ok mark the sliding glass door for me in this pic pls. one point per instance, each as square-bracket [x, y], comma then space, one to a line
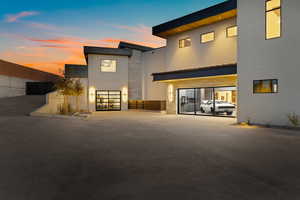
[219, 101]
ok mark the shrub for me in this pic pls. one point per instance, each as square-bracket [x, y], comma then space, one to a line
[294, 119]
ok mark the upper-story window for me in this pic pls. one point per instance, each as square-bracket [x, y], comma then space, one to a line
[185, 42]
[108, 66]
[207, 37]
[232, 31]
[273, 19]
[265, 86]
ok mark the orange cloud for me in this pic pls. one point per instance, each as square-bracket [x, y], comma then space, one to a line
[16, 17]
[51, 54]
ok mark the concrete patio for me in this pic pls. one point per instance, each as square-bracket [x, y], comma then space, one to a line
[142, 155]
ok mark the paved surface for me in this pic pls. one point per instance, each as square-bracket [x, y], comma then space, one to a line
[143, 156]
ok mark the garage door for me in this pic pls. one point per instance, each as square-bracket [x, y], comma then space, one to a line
[108, 100]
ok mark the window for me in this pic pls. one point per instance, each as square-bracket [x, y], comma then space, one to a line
[185, 42]
[273, 19]
[108, 66]
[265, 86]
[207, 37]
[232, 31]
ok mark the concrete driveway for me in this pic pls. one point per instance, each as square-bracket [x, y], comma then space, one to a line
[144, 155]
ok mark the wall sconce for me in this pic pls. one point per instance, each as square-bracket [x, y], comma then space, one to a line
[125, 94]
[92, 94]
[171, 93]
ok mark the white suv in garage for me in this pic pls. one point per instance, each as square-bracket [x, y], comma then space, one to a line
[220, 107]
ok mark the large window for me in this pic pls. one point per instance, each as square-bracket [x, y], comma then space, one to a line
[108, 66]
[185, 42]
[265, 86]
[219, 101]
[273, 19]
[232, 31]
[207, 37]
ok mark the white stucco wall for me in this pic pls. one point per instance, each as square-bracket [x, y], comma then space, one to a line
[12, 86]
[135, 74]
[153, 62]
[220, 51]
[107, 80]
[268, 59]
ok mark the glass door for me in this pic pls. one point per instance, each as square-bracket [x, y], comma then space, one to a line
[205, 99]
[186, 103]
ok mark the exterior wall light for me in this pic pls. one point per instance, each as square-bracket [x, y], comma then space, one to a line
[171, 93]
[125, 94]
[92, 94]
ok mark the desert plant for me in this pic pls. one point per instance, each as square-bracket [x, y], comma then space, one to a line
[77, 92]
[294, 119]
[65, 88]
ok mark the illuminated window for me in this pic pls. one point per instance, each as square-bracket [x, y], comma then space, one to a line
[207, 37]
[265, 86]
[232, 31]
[273, 19]
[185, 43]
[108, 66]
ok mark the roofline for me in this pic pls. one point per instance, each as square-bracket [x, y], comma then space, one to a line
[193, 19]
[218, 70]
[105, 51]
[124, 45]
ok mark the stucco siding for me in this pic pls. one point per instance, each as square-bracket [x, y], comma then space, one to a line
[268, 59]
[153, 62]
[12, 86]
[218, 52]
[107, 80]
[135, 70]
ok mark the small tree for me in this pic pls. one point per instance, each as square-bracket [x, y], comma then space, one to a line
[65, 88]
[294, 119]
[77, 92]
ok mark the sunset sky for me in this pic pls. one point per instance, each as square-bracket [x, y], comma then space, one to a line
[48, 34]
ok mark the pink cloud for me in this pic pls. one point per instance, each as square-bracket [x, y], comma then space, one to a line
[16, 17]
[42, 26]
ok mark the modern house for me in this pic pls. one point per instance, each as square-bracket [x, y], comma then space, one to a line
[237, 58]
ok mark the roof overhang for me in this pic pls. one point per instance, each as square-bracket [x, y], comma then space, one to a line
[188, 74]
[76, 71]
[106, 51]
[219, 12]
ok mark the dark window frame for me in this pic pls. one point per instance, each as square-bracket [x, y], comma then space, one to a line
[205, 34]
[271, 81]
[103, 110]
[227, 36]
[214, 100]
[266, 20]
[184, 43]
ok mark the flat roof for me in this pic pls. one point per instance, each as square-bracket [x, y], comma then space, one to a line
[218, 70]
[107, 51]
[19, 71]
[76, 71]
[126, 45]
[203, 17]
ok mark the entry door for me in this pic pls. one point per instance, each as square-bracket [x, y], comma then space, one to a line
[108, 100]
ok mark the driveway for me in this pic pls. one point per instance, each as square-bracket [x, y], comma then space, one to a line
[144, 156]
